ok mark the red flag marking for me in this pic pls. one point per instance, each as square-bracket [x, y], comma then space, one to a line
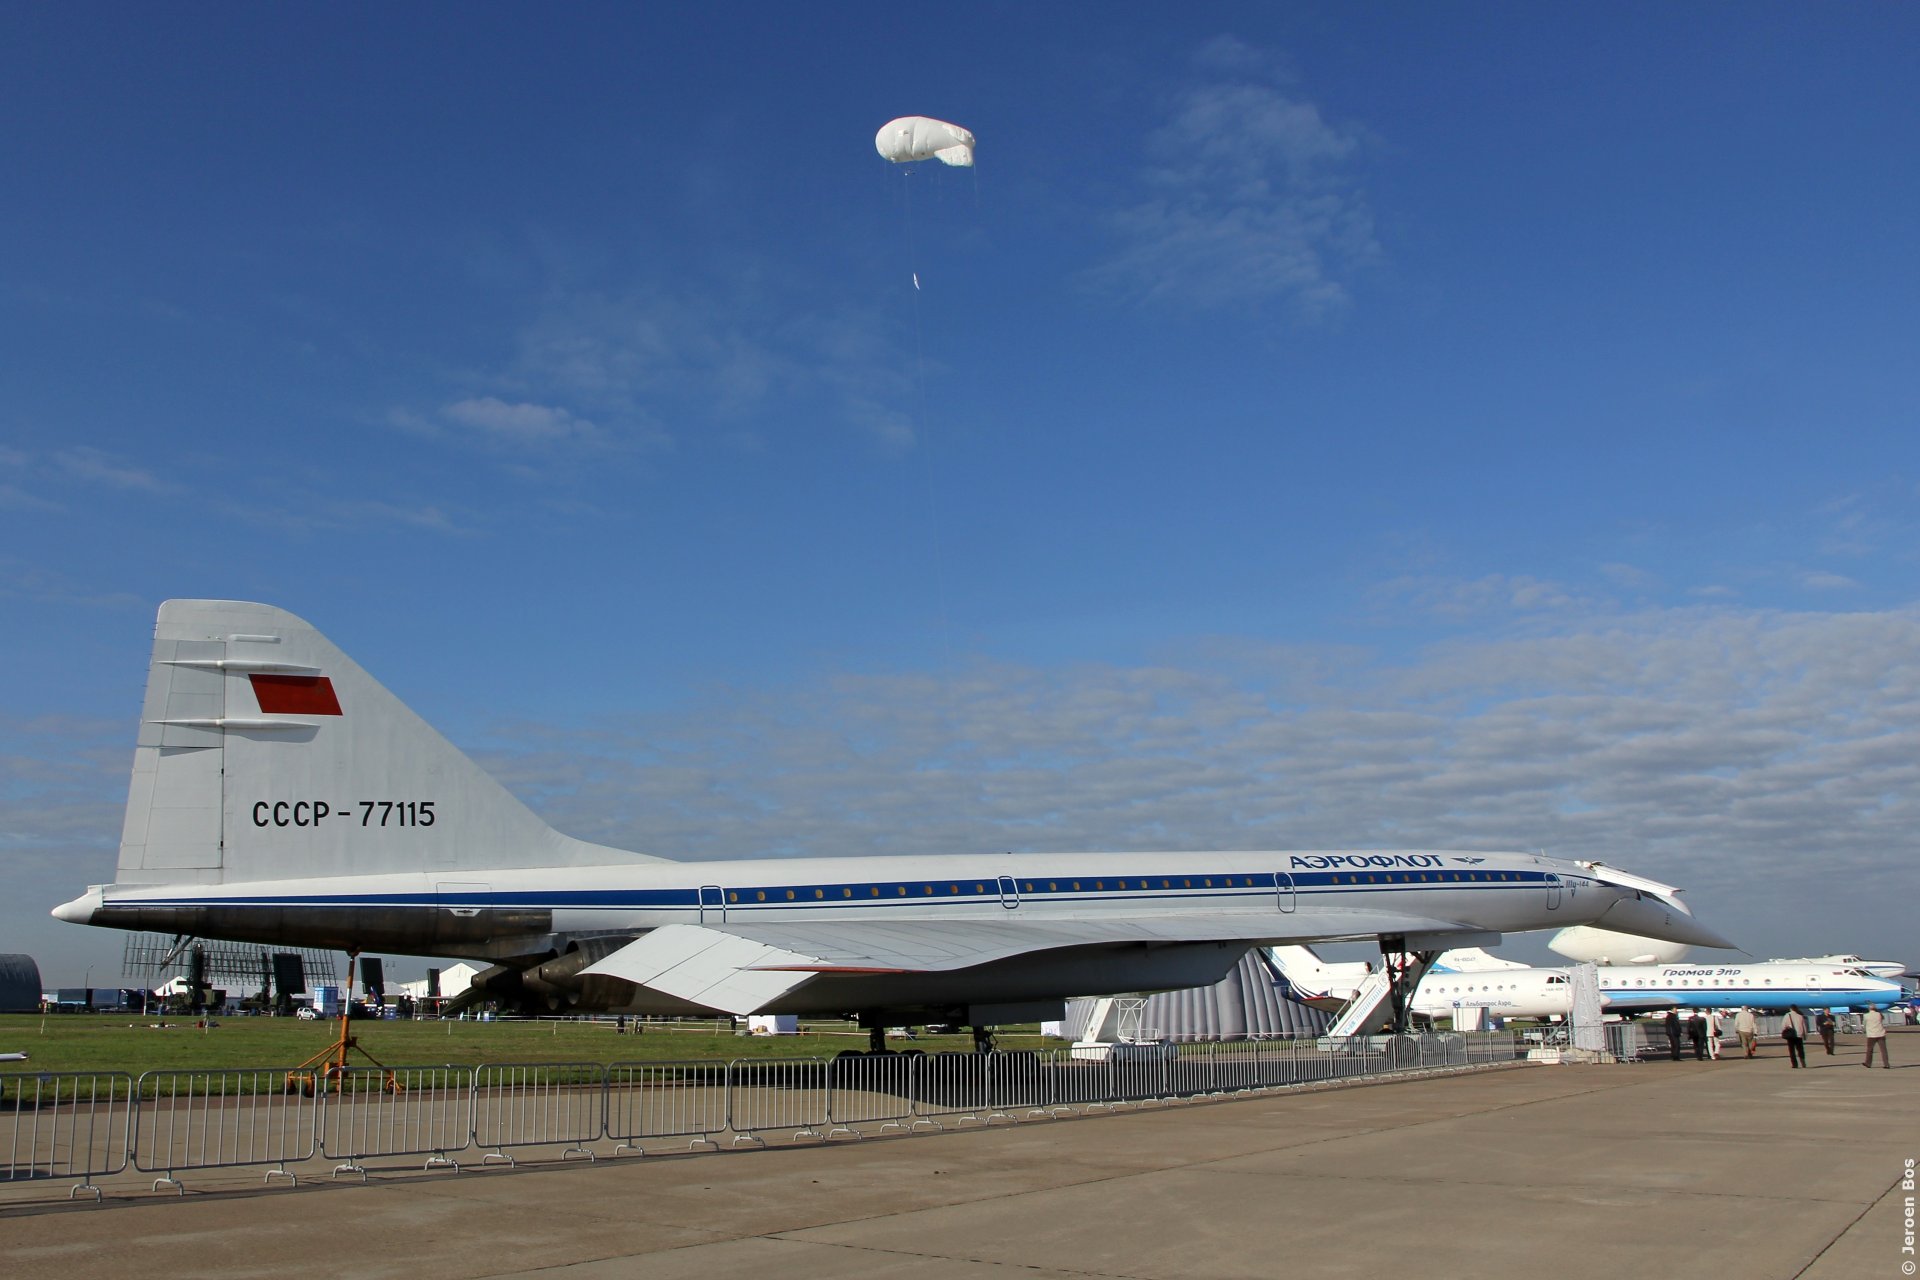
[295, 695]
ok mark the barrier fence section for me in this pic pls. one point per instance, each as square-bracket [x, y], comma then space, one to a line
[950, 1086]
[369, 1112]
[666, 1100]
[66, 1125]
[777, 1093]
[539, 1104]
[1080, 1084]
[56, 1126]
[215, 1119]
[868, 1089]
[1020, 1084]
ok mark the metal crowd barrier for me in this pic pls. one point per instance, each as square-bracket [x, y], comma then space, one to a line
[190, 1120]
[666, 1100]
[539, 1104]
[777, 1093]
[868, 1089]
[951, 1086]
[1081, 1084]
[368, 1112]
[83, 1127]
[66, 1125]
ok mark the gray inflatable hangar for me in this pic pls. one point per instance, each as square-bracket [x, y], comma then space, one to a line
[1250, 1003]
[19, 984]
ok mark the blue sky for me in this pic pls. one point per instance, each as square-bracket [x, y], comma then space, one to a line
[1314, 427]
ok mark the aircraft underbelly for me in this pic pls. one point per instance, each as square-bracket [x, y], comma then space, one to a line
[403, 930]
[1091, 970]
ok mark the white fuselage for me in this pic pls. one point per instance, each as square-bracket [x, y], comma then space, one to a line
[1495, 893]
[1548, 992]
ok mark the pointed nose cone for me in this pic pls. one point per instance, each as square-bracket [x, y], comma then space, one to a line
[80, 910]
[1650, 917]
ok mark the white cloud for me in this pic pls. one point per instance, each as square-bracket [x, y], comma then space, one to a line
[1745, 754]
[520, 425]
[1460, 598]
[97, 467]
[1248, 199]
[1631, 577]
[14, 498]
[1769, 761]
[328, 514]
[730, 360]
[40, 583]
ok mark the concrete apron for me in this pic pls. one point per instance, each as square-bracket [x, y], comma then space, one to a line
[1571, 1171]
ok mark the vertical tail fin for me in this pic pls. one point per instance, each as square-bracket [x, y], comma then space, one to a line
[265, 753]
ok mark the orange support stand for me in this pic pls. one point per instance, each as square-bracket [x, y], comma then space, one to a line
[327, 1069]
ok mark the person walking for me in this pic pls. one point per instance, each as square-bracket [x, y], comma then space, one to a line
[1793, 1029]
[1713, 1034]
[1673, 1033]
[1697, 1035]
[1747, 1027]
[1876, 1023]
[1826, 1026]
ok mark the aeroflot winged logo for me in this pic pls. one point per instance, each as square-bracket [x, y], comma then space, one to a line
[295, 695]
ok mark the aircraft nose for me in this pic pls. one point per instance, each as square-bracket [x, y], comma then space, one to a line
[1648, 917]
[80, 910]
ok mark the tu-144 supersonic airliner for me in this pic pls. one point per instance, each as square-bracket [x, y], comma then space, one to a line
[282, 796]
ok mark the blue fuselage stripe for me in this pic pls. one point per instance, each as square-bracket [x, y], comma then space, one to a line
[1086, 890]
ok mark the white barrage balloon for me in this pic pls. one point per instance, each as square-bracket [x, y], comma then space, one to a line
[920, 138]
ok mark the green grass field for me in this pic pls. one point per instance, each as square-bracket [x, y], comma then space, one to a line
[123, 1042]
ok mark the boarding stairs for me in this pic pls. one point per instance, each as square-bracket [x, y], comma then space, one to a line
[1372, 1002]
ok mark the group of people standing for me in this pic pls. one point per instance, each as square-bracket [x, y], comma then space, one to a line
[1703, 1031]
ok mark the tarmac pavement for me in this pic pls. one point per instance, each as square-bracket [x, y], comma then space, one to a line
[1749, 1167]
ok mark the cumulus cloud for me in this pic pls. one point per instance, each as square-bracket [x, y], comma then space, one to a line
[22, 580]
[14, 498]
[519, 425]
[1460, 598]
[1248, 198]
[329, 514]
[97, 467]
[1763, 759]
[738, 359]
[1748, 755]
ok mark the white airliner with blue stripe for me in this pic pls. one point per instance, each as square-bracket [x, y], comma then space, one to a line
[282, 796]
[1637, 988]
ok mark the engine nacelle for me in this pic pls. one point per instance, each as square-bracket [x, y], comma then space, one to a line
[554, 985]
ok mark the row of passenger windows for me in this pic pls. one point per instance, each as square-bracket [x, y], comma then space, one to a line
[980, 888]
[1688, 982]
[1098, 886]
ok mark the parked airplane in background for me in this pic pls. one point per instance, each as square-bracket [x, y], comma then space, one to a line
[1473, 979]
[1329, 984]
[281, 796]
[1878, 968]
[1543, 993]
[1584, 944]
[1609, 947]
